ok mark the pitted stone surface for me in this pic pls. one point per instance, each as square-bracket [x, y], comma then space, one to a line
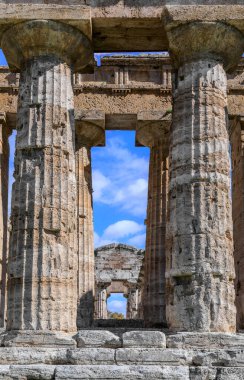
[205, 340]
[27, 372]
[144, 339]
[24, 338]
[97, 338]
[218, 373]
[152, 356]
[93, 356]
[200, 266]
[122, 372]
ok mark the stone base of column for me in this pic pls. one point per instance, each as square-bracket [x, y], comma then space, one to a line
[137, 354]
[30, 338]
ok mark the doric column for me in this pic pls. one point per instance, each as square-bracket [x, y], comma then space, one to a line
[4, 167]
[237, 151]
[152, 131]
[89, 132]
[101, 311]
[42, 277]
[132, 304]
[200, 267]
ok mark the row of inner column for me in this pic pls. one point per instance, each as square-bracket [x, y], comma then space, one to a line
[192, 287]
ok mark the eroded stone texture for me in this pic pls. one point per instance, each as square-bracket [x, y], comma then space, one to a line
[200, 268]
[43, 202]
[42, 276]
[4, 167]
[97, 338]
[154, 134]
[237, 139]
[88, 133]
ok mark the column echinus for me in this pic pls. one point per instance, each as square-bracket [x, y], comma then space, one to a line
[153, 131]
[200, 267]
[90, 131]
[42, 275]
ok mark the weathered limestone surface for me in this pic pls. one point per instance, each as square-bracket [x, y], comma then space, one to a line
[42, 277]
[89, 132]
[144, 338]
[148, 87]
[123, 25]
[237, 139]
[200, 267]
[206, 341]
[122, 372]
[101, 311]
[97, 338]
[4, 167]
[154, 134]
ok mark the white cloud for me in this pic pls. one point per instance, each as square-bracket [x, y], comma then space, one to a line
[120, 178]
[99, 241]
[123, 228]
[117, 306]
[138, 240]
[100, 182]
[123, 231]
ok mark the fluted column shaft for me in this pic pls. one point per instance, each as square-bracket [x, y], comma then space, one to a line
[4, 167]
[200, 267]
[132, 304]
[101, 311]
[90, 131]
[154, 278]
[237, 151]
[86, 280]
[42, 274]
[43, 258]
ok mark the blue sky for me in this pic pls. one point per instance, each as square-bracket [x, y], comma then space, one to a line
[120, 173]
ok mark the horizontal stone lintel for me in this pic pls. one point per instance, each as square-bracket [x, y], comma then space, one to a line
[116, 25]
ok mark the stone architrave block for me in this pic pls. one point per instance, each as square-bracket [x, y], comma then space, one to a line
[144, 339]
[97, 338]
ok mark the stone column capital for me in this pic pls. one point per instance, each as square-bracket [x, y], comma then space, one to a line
[31, 39]
[205, 40]
[152, 127]
[90, 128]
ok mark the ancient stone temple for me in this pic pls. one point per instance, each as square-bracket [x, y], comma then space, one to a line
[119, 269]
[187, 107]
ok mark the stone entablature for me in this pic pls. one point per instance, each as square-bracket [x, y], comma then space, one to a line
[122, 87]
